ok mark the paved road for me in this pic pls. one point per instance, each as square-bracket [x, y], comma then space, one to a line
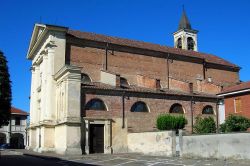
[18, 159]
[12, 158]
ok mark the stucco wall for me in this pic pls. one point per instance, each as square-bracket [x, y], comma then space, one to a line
[119, 136]
[152, 143]
[230, 146]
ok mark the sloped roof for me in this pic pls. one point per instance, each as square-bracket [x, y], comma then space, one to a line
[18, 111]
[133, 88]
[235, 88]
[150, 46]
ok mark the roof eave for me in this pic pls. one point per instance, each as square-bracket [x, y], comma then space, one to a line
[233, 92]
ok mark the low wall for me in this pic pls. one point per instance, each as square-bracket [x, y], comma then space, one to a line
[152, 143]
[229, 146]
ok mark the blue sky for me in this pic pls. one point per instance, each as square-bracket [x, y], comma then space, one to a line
[224, 28]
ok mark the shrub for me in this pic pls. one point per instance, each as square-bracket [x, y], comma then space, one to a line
[204, 125]
[170, 122]
[235, 123]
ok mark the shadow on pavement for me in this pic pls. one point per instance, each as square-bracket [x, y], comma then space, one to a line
[35, 160]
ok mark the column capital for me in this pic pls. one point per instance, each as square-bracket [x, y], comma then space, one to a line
[50, 46]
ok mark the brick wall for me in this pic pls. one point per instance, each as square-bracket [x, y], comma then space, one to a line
[222, 77]
[144, 70]
[130, 65]
[142, 121]
[245, 105]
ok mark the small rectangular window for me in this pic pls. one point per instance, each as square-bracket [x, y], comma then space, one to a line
[18, 121]
[237, 105]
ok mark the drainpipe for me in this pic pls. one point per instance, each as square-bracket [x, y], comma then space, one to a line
[192, 114]
[204, 69]
[191, 91]
[168, 70]
[106, 57]
[123, 109]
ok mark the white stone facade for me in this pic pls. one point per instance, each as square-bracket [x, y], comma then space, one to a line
[54, 110]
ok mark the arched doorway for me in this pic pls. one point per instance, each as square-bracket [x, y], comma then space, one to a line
[2, 138]
[96, 130]
[17, 141]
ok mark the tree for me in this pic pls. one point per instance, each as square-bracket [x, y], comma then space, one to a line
[5, 91]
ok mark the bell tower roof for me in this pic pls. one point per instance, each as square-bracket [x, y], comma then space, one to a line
[184, 22]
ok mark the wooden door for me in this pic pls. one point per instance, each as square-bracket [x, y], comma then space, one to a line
[96, 138]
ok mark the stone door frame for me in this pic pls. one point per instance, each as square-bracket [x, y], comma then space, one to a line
[107, 133]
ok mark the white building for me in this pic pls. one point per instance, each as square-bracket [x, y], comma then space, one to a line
[15, 132]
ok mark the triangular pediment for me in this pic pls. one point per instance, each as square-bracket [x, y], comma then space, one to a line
[37, 31]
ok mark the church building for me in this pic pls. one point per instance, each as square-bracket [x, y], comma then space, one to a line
[88, 91]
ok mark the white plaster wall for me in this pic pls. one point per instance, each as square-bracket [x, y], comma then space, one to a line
[228, 146]
[119, 136]
[152, 143]
[67, 139]
[60, 139]
[108, 78]
[33, 141]
[48, 136]
[222, 116]
[73, 135]
[59, 56]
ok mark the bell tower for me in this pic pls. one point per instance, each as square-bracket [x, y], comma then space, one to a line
[185, 37]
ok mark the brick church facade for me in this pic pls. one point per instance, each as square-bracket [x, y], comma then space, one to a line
[89, 90]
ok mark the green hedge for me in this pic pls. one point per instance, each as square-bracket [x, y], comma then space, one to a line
[204, 125]
[170, 122]
[235, 123]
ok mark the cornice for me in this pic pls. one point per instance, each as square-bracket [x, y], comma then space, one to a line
[67, 68]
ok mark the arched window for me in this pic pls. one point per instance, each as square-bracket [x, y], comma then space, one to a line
[139, 107]
[190, 43]
[124, 82]
[96, 104]
[179, 43]
[85, 79]
[208, 110]
[177, 109]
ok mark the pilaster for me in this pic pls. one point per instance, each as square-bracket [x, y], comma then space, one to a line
[86, 136]
[50, 85]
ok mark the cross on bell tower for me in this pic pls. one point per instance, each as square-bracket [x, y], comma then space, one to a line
[185, 37]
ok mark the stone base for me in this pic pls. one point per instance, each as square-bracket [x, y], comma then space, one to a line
[69, 151]
[40, 150]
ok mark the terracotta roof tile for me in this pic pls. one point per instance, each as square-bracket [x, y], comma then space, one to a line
[18, 111]
[150, 46]
[234, 88]
[102, 86]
